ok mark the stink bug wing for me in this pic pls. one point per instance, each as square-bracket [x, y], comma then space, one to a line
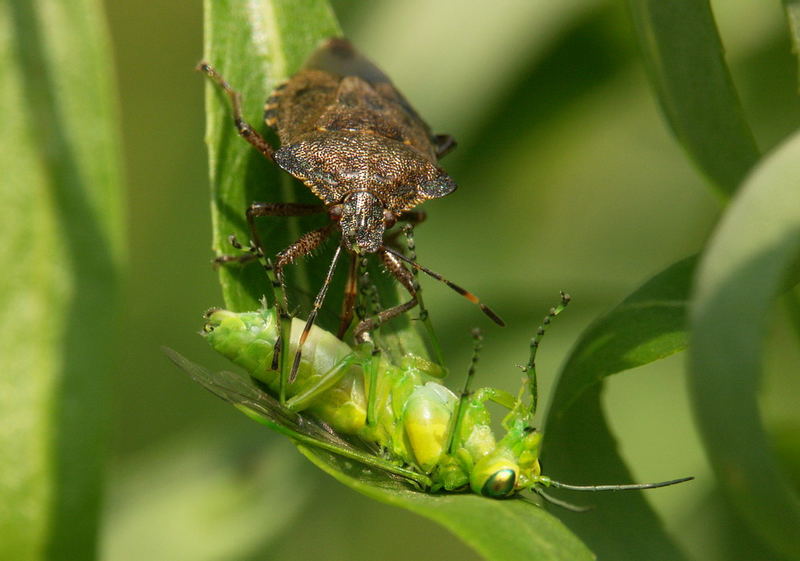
[338, 57]
[295, 107]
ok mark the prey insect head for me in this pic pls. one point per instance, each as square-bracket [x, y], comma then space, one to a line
[495, 476]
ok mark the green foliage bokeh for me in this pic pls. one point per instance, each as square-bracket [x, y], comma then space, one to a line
[571, 177]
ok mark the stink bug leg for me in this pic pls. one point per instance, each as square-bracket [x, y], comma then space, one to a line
[246, 131]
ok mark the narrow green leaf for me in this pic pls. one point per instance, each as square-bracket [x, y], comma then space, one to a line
[685, 60]
[792, 8]
[648, 325]
[62, 231]
[748, 259]
[205, 496]
[510, 530]
[256, 46]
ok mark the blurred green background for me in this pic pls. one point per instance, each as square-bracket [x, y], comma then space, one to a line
[569, 179]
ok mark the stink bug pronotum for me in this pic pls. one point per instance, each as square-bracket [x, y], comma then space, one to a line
[354, 140]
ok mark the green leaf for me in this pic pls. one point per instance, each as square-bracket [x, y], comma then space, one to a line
[256, 46]
[207, 495]
[510, 530]
[62, 231]
[792, 8]
[648, 325]
[751, 254]
[685, 60]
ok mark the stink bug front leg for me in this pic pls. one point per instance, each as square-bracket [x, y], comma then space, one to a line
[403, 275]
[288, 210]
[245, 129]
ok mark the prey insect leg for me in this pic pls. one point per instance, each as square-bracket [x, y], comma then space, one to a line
[278, 294]
[307, 243]
[246, 130]
[366, 326]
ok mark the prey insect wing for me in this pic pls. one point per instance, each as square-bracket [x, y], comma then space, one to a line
[262, 407]
[243, 394]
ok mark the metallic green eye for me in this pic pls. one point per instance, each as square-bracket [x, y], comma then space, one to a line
[500, 484]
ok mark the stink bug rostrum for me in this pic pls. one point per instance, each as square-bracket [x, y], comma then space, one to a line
[353, 139]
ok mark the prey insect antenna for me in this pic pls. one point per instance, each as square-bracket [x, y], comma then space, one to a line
[558, 502]
[530, 367]
[463, 292]
[408, 230]
[547, 482]
[459, 412]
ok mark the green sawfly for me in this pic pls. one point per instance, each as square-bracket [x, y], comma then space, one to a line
[393, 417]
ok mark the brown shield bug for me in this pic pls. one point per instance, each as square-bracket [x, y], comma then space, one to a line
[353, 139]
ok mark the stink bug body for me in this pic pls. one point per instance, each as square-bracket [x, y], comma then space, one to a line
[354, 140]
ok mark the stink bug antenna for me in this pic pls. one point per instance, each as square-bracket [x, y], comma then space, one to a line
[530, 367]
[463, 292]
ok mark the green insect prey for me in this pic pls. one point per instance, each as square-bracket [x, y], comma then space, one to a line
[418, 429]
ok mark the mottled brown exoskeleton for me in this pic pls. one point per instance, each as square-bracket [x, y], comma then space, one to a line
[354, 140]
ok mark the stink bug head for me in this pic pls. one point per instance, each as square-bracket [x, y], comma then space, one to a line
[363, 221]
